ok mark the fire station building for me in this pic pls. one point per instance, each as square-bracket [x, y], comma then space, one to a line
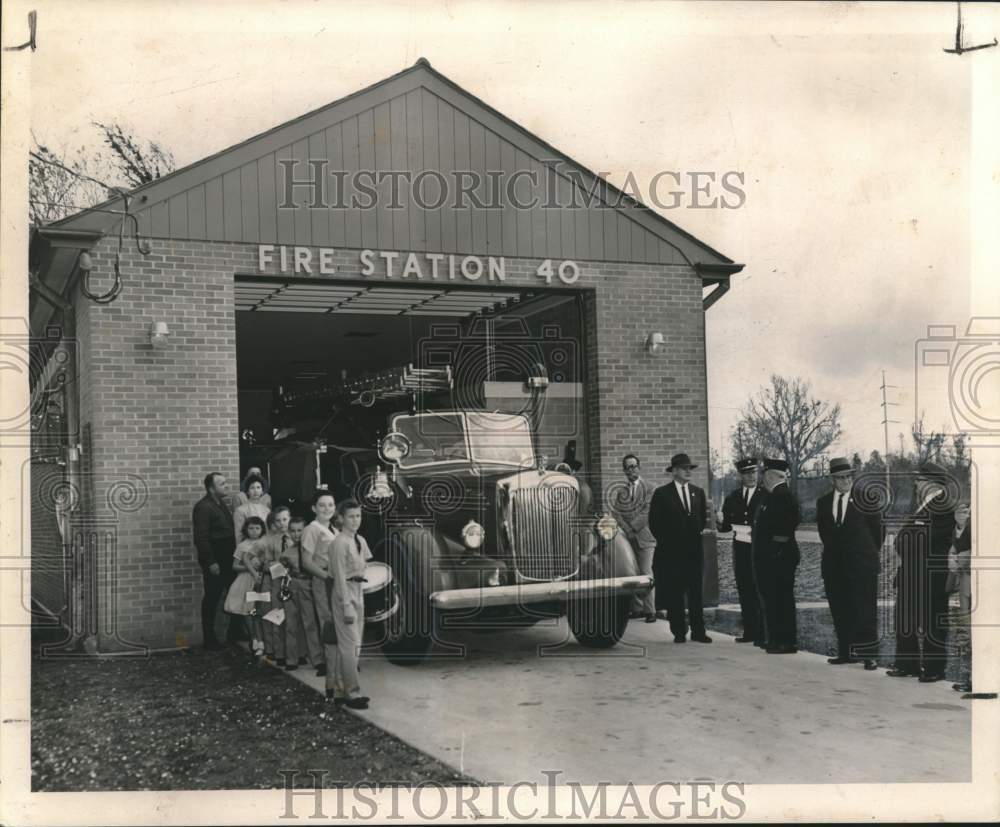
[183, 328]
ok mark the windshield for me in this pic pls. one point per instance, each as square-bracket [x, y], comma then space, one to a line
[433, 438]
[494, 437]
[503, 438]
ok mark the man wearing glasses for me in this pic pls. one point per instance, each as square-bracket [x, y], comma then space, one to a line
[631, 509]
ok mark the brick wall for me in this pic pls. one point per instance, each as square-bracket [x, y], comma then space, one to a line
[161, 419]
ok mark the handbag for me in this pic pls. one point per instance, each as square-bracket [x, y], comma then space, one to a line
[329, 631]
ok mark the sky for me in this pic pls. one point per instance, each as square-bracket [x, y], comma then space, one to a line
[848, 121]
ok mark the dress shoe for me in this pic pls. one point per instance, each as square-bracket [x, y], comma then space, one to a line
[633, 615]
[745, 640]
[701, 639]
[760, 644]
[838, 660]
[661, 614]
[321, 671]
[900, 673]
[870, 665]
[962, 687]
[650, 618]
[214, 646]
[781, 650]
[281, 661]
[303, 661]
[360, 702]
[680, 639]
[291, 667]
[932, 677]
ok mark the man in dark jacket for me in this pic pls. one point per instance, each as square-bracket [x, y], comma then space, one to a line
[922, 545]
[776, 556]
[852, 540]
[736, 515]
[215, 541]
[677, 515]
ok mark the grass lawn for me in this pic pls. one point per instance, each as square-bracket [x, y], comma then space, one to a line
[200, 721]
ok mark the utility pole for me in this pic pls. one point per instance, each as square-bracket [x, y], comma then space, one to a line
[885, 426]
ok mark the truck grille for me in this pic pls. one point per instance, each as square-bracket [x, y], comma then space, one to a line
[544, 532]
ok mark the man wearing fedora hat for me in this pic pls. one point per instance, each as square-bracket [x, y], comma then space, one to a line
[736, 515]
[677, 515]
[852, 538]
[922, 545]
[776, 556]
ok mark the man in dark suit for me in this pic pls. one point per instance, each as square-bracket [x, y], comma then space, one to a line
[922, 545]
[678, 513]
[852, 539]
[215, 540]
[776, 556]
[736, 515]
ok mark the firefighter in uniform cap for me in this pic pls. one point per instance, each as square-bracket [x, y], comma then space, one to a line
[736, 515]
[776, 556]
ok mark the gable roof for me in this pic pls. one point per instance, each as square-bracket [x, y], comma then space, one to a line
[415, 120]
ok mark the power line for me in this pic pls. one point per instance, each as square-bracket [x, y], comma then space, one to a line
[885, 426]
[42, 159]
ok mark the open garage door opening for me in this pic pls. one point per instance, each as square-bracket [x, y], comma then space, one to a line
[321, 367]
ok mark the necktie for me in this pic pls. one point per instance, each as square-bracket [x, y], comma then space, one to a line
[284, 542]
[840, 509]
[687, 505]
[746, 497]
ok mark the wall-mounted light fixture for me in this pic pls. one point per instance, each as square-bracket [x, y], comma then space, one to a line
[159, 335]
[655, 344]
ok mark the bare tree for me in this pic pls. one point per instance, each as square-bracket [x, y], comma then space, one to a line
[63, 182]
[137, 161]
[785, 420]
[928, 445]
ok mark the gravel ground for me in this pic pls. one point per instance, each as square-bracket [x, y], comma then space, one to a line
[815, 626]
[201, 721]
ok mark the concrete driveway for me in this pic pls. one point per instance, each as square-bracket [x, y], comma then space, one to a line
[651, 710]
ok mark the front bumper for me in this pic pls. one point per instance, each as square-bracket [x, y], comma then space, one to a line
[526, 593]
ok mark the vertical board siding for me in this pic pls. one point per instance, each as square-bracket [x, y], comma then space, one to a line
[266, 199]
[286, 219]
[336, 223]
[196, 212]
[431, 190]
[415, 165]
[232, 208]
[417, 131]
[177, 208]
[446, 159]
[302, 215]
[251, 202]
[383, 161]
[319, 219]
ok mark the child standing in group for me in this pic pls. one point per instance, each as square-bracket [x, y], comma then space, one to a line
[318, 533]
[272, 547]
[346, 558]
[248, 563]
[255, 506]
[300, 608]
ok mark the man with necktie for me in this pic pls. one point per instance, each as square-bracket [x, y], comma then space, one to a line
[631, 510]
[677, 515]
[852, 539]
[776, 557]
[736, 515]
[922, 545]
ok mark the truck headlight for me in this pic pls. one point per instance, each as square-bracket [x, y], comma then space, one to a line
[394, 447]
[607, 527]
[473, 535]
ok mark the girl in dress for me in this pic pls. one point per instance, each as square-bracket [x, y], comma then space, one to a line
[248, 562]
[255, 506]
